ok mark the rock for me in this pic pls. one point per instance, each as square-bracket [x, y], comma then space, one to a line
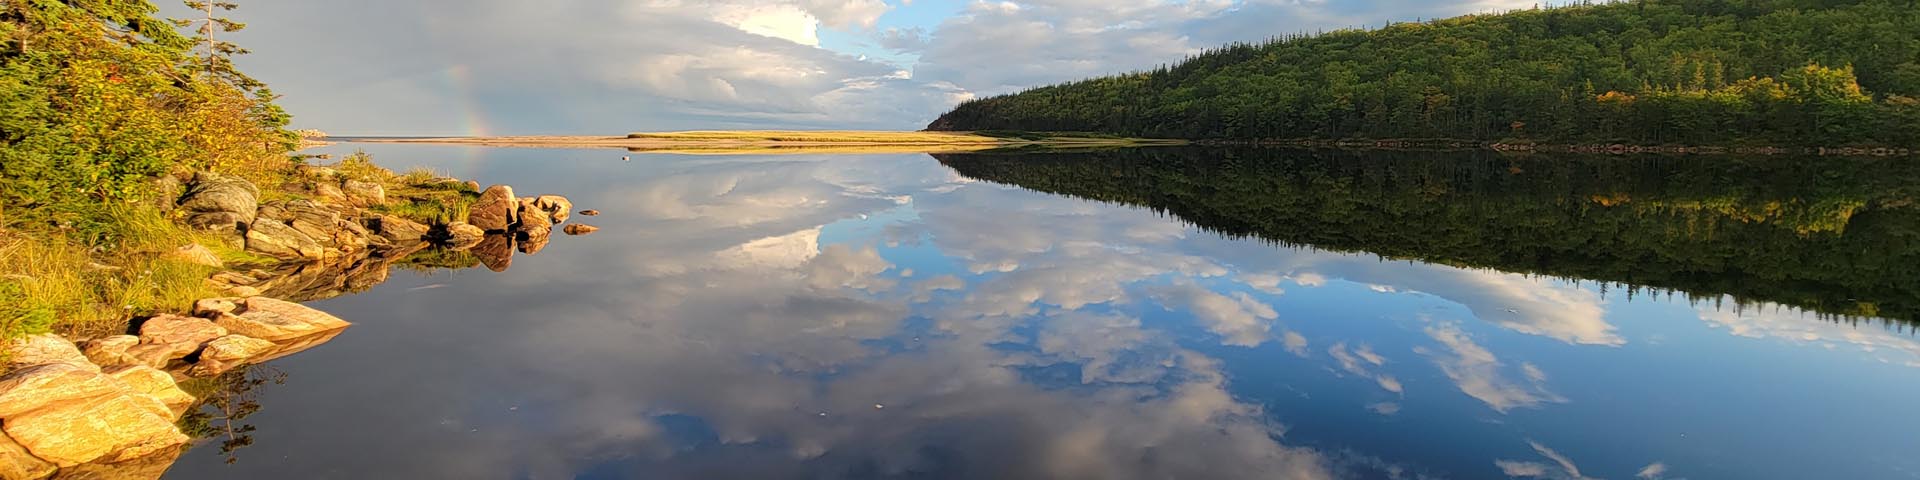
[557, 207]
[396, 229]
[322, 225]
[495, 210]
[175, 329]
[160, 355]
[495, 251]
[462, 236]
[590, 213]
[533, 237]
[152, 382]
[327, 192]
[30, 388]
[580, 229]
[364, 194]
[278, 240]
[197, 254]
[44, 349]
[208, 307]
[16, 463]
[234, 348]
[150, 467]
[110, 351]
[531, 215]
[270, 319]
[473, 186]
[220, 202]
[108, 428]
[242, 291]
[166, 189]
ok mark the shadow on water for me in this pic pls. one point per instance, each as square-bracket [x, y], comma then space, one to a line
[1839, 236]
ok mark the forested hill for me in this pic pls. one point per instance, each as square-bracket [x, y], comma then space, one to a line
[1821, 72]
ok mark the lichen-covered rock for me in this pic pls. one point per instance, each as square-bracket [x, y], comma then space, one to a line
[110, 351]
[159, 355]
[175, 329]
[108, 428]
[152, 382]
[364, 194]
[219, 202]
[45, 349]
[29, 388]
[496, 210]
[16, 463]
[232, 348]
[580, 229]
[270, 319]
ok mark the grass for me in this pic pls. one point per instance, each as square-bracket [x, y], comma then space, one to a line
[826, 136]
[52, 283]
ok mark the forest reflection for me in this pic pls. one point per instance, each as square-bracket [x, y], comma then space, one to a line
[1836, 236]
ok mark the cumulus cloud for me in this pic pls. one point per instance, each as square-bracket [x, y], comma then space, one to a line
[1479, 374]
[1799, 327]
[1561, 468]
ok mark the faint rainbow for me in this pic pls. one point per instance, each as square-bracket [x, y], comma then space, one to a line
[459, 80]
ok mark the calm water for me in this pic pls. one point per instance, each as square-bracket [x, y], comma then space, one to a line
[1168, 314]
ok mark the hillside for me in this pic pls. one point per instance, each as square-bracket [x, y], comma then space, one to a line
[1663, 71]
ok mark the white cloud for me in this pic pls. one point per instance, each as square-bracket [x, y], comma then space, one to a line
[1477, 372]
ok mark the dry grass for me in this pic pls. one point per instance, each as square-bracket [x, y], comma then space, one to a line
[53, 284]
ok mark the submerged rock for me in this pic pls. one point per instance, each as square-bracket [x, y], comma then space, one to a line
[495, 251]
[590, 213]
[534, 237]
[496, 210]
[580, 229]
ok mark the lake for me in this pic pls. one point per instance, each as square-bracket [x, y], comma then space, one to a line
[1165, 313]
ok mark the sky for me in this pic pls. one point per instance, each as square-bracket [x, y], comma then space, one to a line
[505, 67]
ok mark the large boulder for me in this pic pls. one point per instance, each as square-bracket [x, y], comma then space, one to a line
[219, 202]
[496, 210]
[44, 349]
[267, 318]
[305, 230]
[68, 415]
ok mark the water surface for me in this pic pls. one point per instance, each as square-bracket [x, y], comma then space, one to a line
[1165, 314]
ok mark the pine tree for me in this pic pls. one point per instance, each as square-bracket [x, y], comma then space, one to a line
[215, 57]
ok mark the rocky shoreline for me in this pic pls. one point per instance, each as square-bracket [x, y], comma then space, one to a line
[110, 406]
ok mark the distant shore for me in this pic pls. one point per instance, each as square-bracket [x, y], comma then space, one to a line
[768, 141]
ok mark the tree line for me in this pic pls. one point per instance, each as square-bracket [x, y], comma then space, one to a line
[1823, 72]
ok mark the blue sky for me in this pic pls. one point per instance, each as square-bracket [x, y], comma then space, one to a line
[490, 67]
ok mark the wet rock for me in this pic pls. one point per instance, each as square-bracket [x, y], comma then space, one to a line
[270, 319]
[150, 467]
[396, 229]
[110, 351]
[364, 194]
[152, 382]
[558, 208]
[43, 349]
[590, 213]
[175, 329]
[196, 254]
[15, 462]
[219, 202]
[462, 236]
[580, 229]
[495, 251]
[496, 210]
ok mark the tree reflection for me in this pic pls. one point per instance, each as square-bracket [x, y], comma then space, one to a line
[1832, 235]
[225, 402]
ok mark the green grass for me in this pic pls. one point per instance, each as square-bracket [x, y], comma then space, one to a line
[55, 283]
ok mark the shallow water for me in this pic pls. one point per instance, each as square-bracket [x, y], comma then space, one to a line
[887, 316]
